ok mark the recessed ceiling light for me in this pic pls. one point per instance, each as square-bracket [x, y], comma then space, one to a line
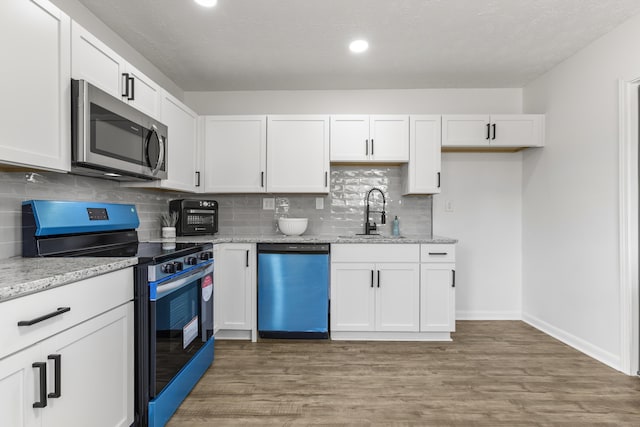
[358, 46]
[207, 3]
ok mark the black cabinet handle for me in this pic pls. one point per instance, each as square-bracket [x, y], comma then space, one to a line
[42, 366]
[453, 278]
[326, 178]
[247, 264]
[58, 312]
[366, 147]
[372, 146]
[488, 131]
[437, 253]
[57, 373]
[133, 88]
[262, 179]
[438, 179]
[372, 278]
[126, 85]
[197, 178]
[378, 278]
[494, 131]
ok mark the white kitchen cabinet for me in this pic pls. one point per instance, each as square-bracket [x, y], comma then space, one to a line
[184, 168]
[378, 296]
[87, 355]
[94, 61]
[235, 287]
[437, 288]
[235, 154]
[422, 174]
[493, 131]
[368, 139]
[297, 154]
[35, 120]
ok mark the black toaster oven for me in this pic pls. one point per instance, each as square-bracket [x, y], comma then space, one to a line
[195, 217]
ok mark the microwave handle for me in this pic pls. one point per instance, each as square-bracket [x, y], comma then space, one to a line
[161, 153]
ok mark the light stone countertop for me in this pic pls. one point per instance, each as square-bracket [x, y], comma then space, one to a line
[280, 238]
[23, 276]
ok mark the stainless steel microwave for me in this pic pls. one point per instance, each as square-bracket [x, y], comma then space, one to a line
[111, 139]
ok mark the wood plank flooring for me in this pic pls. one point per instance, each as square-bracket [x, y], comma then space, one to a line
[494, 373]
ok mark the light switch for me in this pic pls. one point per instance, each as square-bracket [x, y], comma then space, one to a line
[269, 204]
[319, 203]
[448, 206]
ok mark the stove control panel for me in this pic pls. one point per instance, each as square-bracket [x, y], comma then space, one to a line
[179, 264]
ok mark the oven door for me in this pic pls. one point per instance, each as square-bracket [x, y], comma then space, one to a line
[180, 323]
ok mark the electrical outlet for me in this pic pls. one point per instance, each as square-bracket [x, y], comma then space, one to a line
[319, 203]
[269, 204]
[448, 206]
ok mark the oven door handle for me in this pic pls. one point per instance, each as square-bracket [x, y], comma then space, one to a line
[173, 285]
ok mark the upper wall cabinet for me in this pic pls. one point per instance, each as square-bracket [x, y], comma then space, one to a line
[235, 150]
[493, 131]
[368, 139]
[422, 174]
[35, 84]
[94, 61]
[298, 154]
[183, 165]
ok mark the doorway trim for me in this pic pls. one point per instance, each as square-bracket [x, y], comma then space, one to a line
[628, 217]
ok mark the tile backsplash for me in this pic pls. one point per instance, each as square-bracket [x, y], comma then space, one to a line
[242, 214]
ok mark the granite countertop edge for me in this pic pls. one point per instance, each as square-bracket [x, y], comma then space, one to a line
[317, 239]
[23, 276]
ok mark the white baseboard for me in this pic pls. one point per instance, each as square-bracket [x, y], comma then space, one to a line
[579, 344]
[488, 315]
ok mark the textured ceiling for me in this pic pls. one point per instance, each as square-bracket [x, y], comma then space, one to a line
[302, 44]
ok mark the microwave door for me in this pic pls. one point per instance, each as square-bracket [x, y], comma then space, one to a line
[154, 149]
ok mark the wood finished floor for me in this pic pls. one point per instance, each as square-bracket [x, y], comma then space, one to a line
[497, 373]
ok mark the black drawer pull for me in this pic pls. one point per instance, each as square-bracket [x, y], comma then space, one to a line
[42, 367]
[58, 312]
[57, 373]
[453, 278]
[438, 253]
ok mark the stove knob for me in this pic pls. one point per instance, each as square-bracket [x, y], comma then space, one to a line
[168, 268]
[206, 256]
[191, 260]
[178, 265]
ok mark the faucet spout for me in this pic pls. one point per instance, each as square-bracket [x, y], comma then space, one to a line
[369, 225]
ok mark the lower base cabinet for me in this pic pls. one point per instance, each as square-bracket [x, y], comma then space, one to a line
[406, 292]
[82, 376]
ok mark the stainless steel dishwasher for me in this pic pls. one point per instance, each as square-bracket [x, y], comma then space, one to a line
[293, 290]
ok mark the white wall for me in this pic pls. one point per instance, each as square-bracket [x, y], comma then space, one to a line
[79, 13]
[570, 197]
[484, 191]
[484, 188]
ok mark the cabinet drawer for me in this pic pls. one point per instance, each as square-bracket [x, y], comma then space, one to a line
[437, 253]
[375, 252]
[86, 299]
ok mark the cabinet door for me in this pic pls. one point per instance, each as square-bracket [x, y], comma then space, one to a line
[389, 138]
[352, 297]
[422, 174]
[19, 388]
[397, 297]
[144, 93]
[96, 372]
[517, 130]
[236, 285]
[465, 130]
[182, 143]
[95, 62]
[235, 154]
[437, 297]
[349, 138]
[298, 154]
[35, 84]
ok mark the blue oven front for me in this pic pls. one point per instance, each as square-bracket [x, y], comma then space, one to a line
[180, 338]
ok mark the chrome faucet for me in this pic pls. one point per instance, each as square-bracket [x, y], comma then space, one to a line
[369, 225]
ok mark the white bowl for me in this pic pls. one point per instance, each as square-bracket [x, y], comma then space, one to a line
[293, 226]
